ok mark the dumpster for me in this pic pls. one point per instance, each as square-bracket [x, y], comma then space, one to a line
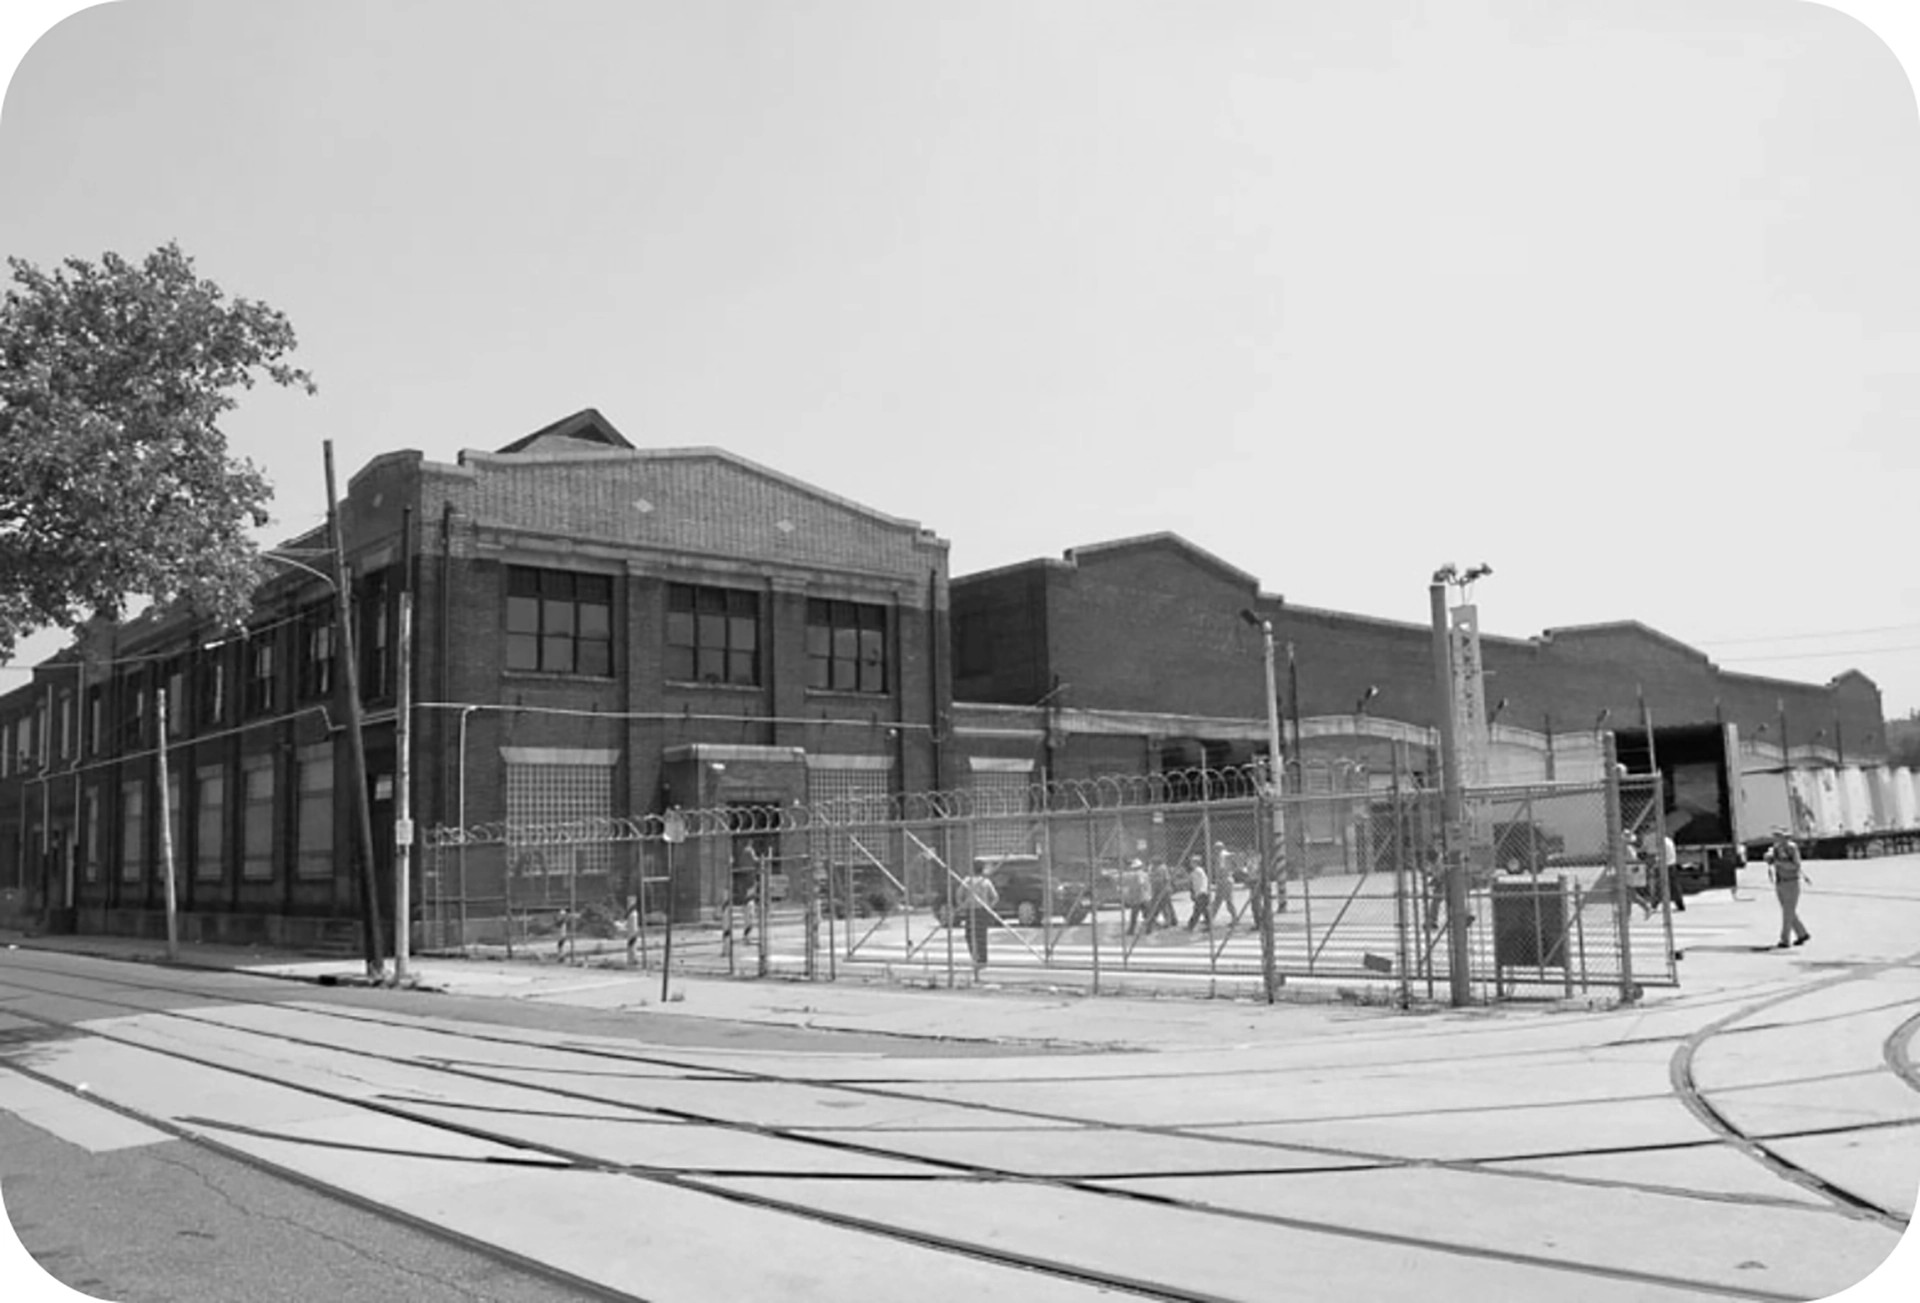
[1529, 924]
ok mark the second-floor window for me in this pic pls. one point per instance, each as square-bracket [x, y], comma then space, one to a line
[211, 679]
[371, 636]
[316, 653]
[559, 622]
[259, 666]
[713, 635]
[846, 646]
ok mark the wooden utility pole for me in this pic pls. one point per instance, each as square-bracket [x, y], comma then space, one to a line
[356, 749]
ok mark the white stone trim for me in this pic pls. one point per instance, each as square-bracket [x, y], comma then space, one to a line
[727, 753]
[849, 762]
[999, 765]
[559, 756]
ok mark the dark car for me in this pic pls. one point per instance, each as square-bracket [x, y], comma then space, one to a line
[1024, 884]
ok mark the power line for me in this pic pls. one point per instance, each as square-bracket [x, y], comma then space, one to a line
[1801, 637]
[1810, 655]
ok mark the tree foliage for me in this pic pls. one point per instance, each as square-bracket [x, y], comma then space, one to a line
[115, 479]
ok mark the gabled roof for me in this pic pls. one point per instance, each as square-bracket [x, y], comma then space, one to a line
[586, 428]
[1576, 631]
[1160, 542]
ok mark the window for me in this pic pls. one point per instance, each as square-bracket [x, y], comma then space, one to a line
[210, 843]
[846, 646]
[133, 713]
[371, 637]
[6, 748]
[176, 824]
[316, 812]
[66, 723]
[558, 788]
[713, 635]
[256, 776]
[90, 829]
[559, 622]
[133, 831]
[316, 653]
[173, 682]
[211, 706]
[260, 673]
[93, 720]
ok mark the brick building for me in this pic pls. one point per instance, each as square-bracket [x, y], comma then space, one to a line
[599, 631]
[1134, 655]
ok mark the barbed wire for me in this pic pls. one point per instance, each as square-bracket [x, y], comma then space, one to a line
[1110, 793]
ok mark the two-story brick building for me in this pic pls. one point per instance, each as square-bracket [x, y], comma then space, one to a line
[598, 631]
[1135, 655]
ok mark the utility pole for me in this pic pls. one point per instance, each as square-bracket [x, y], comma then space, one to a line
[166, 828]
[403, 761]
[1459, 988]
[356, 749]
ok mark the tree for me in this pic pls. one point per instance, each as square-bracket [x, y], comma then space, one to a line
[115, 480]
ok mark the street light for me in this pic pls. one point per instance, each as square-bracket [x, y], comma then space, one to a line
[1360, 706]
[1265, 627]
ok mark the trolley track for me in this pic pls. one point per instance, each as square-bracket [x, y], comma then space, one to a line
[702, 1180]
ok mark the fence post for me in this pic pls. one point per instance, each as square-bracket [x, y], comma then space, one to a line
[763, 908]
[1402, 844]
[1616, 859]
[1092, 852]
[1268, 834]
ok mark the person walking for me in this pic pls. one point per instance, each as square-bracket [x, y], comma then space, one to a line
[631, 926]
[1227, 874]
[1670, 865]
[980, 898]
[1134, 894]
[1783, 866]
[1160, 911]
[1197, 885]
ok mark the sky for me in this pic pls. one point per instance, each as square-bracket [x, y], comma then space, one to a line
[1621, 298]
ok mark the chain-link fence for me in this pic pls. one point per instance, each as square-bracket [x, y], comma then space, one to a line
[1203, 881]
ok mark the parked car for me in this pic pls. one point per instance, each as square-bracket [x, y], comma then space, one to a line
[862, 891]
[1024, 881]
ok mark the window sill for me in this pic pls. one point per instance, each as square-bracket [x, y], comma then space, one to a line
[557, 676]
[692, 685]
[850, 694]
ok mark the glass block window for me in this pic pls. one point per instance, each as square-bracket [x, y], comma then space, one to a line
[559, 622]
[846, 646]
[210, 824]
[553, 806]
[1003, 824]
[713, 635]
[315, 853]
[851, 805]
[256, 786]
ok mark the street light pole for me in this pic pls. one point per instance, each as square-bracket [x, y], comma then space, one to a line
[1459, 988]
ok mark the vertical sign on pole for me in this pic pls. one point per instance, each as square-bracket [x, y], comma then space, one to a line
[673, 831]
